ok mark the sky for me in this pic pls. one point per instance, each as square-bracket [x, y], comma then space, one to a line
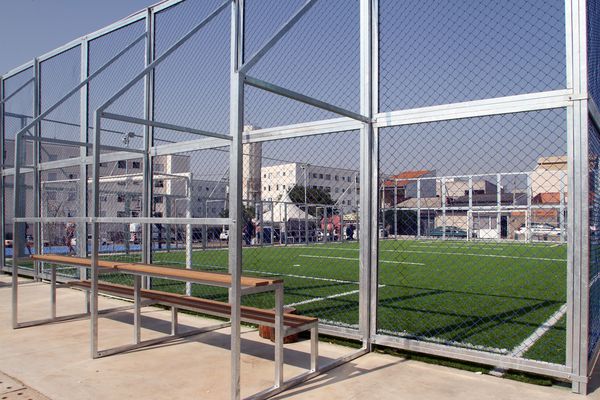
[431, 53]
[29, 28]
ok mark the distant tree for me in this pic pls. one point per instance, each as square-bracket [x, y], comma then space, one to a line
[313, 195]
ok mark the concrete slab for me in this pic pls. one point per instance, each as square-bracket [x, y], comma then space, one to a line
[54, 360]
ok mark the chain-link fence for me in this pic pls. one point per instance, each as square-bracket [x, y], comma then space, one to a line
[473, 253]
[456, 123]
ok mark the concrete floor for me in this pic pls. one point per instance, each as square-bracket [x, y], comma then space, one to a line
[54, 360]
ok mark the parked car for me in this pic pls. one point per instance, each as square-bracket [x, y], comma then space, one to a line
[539, 229]
[450, 231]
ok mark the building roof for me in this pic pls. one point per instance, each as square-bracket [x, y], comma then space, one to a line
[403, 178]
[426, 202]
[548, 198]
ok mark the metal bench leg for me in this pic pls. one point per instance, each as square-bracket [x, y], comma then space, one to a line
[88, 307]
[314, 347]
[279, 335]
[52, 291]
[174, 321]
[137, 316]
[94, 315]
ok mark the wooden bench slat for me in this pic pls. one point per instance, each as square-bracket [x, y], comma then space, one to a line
[156, 270]
[207, 305]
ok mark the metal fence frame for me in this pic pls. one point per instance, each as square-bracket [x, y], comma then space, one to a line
[574, 98]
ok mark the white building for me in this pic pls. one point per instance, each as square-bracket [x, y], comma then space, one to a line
[341, 184]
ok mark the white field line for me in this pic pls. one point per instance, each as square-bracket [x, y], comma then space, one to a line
[356, 259]
[333, 296]
[455, 254]
[315, 278]
[312, 278]
[539, 332]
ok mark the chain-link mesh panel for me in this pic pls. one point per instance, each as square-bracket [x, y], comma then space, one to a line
[192, 84]
[594, 236]
[301, 61]
[18, 110]
[262, 19]
[593, 48]
[121, 187]
[472, 249]
[119, 73]
[59, 75]
[435, 52]
[301, 222]
[59, 199]
[191, 185]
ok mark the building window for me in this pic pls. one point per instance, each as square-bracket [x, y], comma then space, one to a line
[121, 164]
[136, 165]
[264, 188]
[158, 199]
[120, 198]
[72, 176]
[121, 214]
[283, 187]
[159, 183]
[283, 173]
[337, 178]
[135, 214]
[320, 176]
[276, 187]
[315, 176]
[328, 177]
[269, 188]
[265, 175]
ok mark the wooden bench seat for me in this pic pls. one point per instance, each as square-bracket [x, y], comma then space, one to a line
[211, 307]
[157, 271]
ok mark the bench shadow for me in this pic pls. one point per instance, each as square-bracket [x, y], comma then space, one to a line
[342, 373]
[263, 349]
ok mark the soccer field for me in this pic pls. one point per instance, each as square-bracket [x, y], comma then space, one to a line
[506, 298]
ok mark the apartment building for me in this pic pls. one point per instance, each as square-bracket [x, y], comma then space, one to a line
[341, 184]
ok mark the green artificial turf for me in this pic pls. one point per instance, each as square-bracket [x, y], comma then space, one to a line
[484, 295]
